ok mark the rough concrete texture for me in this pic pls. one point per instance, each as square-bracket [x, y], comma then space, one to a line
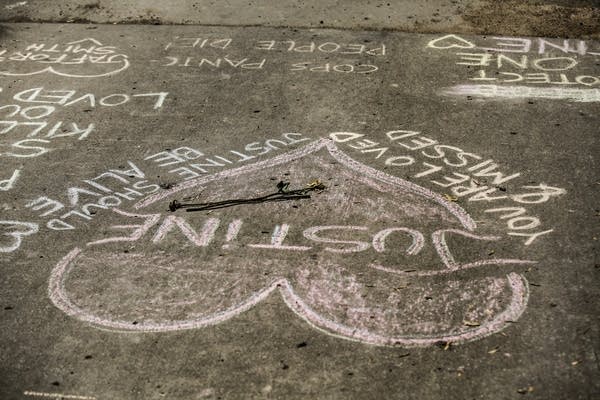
[550, 18]
[438, 237]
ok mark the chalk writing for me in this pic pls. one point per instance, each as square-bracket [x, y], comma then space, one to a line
[514, 45]
[468, 176]
[86, 58]
[343, 267]
[328, 67]
[207, 54]
[526, 61]
[325, 47]
[33, 145]
[57, 395]
[525, 92]
[7, 184]
[198, 43]
[206, 61]
[214, 63]
[68, 98]
[105, 191]
[29, 127]
[192, 163]
[15, 5]
[116, 187]
[15, 231]
[29, 118]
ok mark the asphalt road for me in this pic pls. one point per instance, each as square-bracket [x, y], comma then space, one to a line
[223, 212]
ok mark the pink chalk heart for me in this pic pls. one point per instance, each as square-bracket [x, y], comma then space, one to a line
[368, 259]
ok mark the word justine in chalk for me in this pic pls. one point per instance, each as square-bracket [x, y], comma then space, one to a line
[192, 163]
[340, 270]
[339, 239]
[464, 175]
[118, 186]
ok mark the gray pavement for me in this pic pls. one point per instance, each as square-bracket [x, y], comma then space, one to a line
[223, 212]
[549, 18]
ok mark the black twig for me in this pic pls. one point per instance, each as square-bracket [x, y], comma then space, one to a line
[281, 195]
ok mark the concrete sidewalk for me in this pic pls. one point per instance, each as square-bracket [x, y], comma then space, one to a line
[548, 18]
[377, 214]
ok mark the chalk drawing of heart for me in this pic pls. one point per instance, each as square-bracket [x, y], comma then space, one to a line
[372, 258]
[17, 230]
[83, 65]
